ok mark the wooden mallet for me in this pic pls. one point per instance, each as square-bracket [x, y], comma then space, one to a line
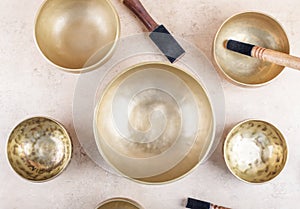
[264, 54]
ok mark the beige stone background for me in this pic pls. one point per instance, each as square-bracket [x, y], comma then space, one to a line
[29, 86]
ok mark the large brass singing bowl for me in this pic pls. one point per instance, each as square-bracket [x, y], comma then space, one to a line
[255, 28]
[154, 123]
[70, 32]
[39, 149]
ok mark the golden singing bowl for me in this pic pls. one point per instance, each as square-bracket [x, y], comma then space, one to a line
[70, 32]
[254, 28]
[255, 151]
[39, 149]
[119, 203]
[154, 123]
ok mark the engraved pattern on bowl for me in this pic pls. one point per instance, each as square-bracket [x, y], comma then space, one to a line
[39, 149]
[255, 151]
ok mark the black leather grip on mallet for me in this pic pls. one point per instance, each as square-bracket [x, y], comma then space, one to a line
[197, 204]
[239, 47]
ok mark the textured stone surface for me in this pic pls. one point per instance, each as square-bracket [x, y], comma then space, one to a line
[29, 86]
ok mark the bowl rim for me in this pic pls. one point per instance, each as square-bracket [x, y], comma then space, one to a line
[123, 199]
[83, 69]
[68, 160]
[212, 134]
[229, 78]
[228, 138]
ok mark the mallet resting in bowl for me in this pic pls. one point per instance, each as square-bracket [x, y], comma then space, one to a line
[264, 54]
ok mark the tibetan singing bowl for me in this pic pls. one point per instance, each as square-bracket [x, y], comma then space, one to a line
[255, 151]
[255, 28]
[71, 32]
[154, 123]
[119, 203]
[39, 149]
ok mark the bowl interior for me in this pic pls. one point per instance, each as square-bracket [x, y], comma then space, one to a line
[119, 203]
[70, 32]
[39, 149]
[154, 123]
[254, 28]
[255, 151]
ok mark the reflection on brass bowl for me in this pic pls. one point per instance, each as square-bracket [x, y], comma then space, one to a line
[154, 123]
[70, 32]
[254, 28]
[119, 203]
[255, 151]
[39, 149]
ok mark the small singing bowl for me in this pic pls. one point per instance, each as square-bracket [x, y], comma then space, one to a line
[69, 33]
[119, 203]
[257, 29]
[39, 149]
[255, 151]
